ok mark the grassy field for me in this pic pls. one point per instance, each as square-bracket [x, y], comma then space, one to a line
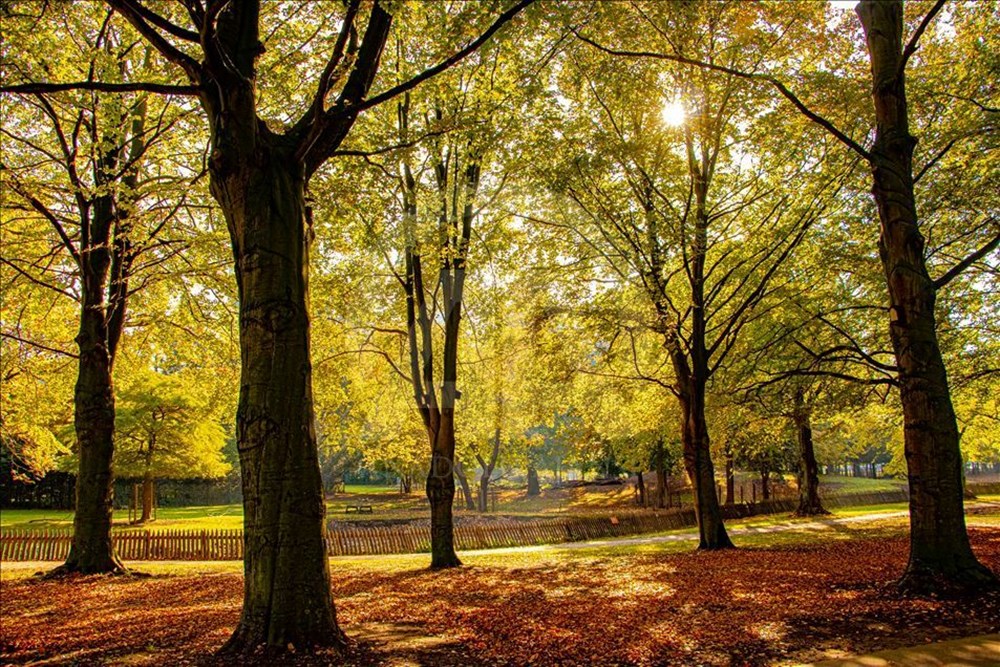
[388, 503]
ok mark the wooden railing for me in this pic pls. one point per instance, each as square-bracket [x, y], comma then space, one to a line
[131, 544]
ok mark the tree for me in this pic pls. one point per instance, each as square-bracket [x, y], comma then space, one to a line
[259, 177]
[940, 555]
[97, 199]
[682, 216]
[167, 429]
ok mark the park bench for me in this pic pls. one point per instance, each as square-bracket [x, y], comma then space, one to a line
[360, 509]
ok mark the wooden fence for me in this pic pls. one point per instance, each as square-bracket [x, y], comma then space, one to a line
[130, 544]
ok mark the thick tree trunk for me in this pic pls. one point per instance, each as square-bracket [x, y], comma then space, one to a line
[809, 502]
[941, 557]
[91, 551]
[640, 486]
[147, 498]
[730, 479]
[286, 583]
[534, 488]
[698, 461]
[441, 494]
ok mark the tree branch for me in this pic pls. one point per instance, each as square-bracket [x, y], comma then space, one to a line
[32, 343]
[782, 88]
[956, 270]
[40, 87]
[447, 63]
[911, 46]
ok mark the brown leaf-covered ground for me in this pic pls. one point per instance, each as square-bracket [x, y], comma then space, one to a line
[787, 604]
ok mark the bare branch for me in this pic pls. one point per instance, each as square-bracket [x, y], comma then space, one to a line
[911, 46]
[32, 343]
[445, 64]
[42, 87]
[956, 270]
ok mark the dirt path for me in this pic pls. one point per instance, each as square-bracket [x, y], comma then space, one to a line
[981, 651]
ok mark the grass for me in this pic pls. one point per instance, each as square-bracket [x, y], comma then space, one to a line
[388, 503]
[840, 484]
[210, 517]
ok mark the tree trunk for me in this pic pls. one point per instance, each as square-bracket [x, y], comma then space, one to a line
[488, 468]
[809, 502]
[287, 598]
[484, 489]
[661, 474]
[534, 488]
[730, 479]
[640, 485]
[765, 482]
[463, 481]
[441, 494]
[147, 498]
[697, 454]
[941, 557]
[91, 551]
[698, 461]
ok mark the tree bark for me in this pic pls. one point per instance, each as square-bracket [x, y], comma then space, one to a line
[697, 453]
[463, 481]
[286, 583]
[765, 482]
[941, 557]
[534, 488]
[441, 494]
[730, 479]
[148, 488]
[640, 486]
[488, 468]
[809, 502]
[660, 460]
[92, 551]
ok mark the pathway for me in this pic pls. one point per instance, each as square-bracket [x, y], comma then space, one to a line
[982, 651]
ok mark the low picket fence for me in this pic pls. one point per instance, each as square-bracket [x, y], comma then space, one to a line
[130, 544]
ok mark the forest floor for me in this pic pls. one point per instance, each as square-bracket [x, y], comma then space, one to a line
[799, 593]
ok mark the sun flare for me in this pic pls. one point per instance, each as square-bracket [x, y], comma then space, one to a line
[673, 113]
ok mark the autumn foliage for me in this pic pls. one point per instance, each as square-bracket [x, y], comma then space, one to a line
[745, 607]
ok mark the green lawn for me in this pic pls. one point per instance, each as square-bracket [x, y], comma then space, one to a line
[829, 484]
[388, 503]
[213, 517]
[210, 517]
